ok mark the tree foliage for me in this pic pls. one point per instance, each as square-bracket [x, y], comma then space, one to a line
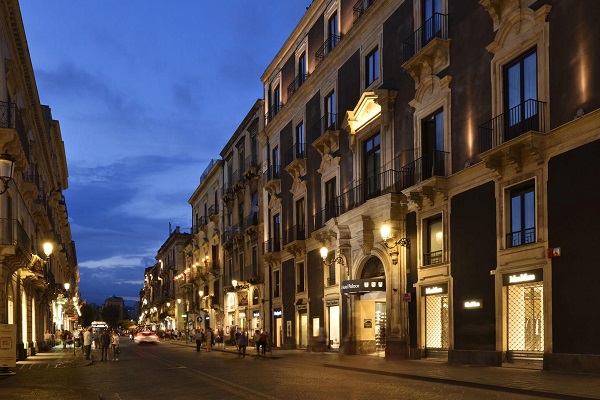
[88, 314]
[111, 315]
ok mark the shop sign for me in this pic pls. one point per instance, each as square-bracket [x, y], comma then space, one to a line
[8, 341]
[433, 290]
[368, 323]
[473, 304]
[523, 277]
[300, 307]
[331, 303]
[363, 285]
[243, 298]
[277, 313]
[256, 314]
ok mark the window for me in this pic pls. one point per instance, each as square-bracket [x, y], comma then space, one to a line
[241, 157]
[276, 283]
[241, 265]
[240, 217]
[275, 157]
[522, 216]
[331, 278]
[372, 67]
[230, 269]
[276, 100]
[300, 141]
[275, 233]
[432, 23]
[371, 171]
[254, 271]
[300, 219]
[432, 144]
[255, 297]
[330, 113]
[300, 277]
[330, 199]
[332, 28]
[433, 240]
[520, 102]
[301, 69]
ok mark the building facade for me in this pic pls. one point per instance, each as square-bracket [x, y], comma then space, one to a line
[459, 129]
[38, 265]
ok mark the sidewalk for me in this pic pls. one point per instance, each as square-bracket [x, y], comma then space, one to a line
[57, 357]
[531, 382]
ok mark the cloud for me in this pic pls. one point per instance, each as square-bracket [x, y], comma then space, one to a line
[113, 262]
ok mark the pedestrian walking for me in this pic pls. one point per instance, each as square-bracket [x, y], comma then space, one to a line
[198, 337]
[264, 342]
[48, 339]
[105, 343]
[114, 341]
[87, 342]
[242, 343]
[257, 341]
[208, 338]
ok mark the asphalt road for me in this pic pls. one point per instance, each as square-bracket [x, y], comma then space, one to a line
[174, 372]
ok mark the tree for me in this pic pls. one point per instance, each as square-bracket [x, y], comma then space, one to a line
[88, 314]
[110, 315]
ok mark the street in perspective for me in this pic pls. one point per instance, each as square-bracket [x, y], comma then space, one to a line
[174, 369]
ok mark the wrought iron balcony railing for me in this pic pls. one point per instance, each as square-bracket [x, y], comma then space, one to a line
[213, 210]
[250, 161]
[10, 117]
[434, 257]
[326, 48]
[271, 173]
[423, 168]
[272, 245]
[13, 234]
[296, 232]
[434, 27]
[519, 238]
[525, 117]
[251, 220]
[360, 8]
[327, 123]
[296, 83]
[297, 151]
[273, 110]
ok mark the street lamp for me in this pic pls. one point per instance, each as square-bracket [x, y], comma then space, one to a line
[391, 243]
[6, 170]
[337, 259]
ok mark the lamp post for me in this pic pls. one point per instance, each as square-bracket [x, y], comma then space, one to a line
[7, 164]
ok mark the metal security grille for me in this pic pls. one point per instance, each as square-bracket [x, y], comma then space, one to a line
[526, 317]
[436, 322]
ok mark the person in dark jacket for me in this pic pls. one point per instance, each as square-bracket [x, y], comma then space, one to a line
[105, 343]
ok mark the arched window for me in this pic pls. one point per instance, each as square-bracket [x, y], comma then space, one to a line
[373, 269]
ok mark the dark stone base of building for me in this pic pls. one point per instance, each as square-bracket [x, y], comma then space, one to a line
[476, 357]
[578, 363]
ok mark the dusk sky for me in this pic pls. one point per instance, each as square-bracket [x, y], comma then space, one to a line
[146, 93]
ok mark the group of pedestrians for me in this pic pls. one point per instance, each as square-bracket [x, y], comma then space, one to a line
[204, 336]
[261, 341]
[105, 342]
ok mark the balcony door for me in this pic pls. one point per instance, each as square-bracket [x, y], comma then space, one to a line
[372, 167]
[432, 144]
[432, 22]
[520, 101]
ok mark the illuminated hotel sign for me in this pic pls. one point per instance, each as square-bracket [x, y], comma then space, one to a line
[363, 285]
[277, 312]
[471, 304]
[436, 289]
[523, 277]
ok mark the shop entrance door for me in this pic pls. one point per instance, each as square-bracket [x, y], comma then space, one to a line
[334, 327]
[526, 318]
[278, 334]
[303, 330]
[436, 324]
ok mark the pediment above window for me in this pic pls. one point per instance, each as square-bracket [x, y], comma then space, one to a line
[366, 110]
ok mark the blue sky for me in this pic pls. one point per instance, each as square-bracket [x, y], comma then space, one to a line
[146, 93]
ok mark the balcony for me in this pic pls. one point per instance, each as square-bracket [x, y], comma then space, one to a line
[272, 245]
[427, 51]
[326, 48]
[300, 288]
[213, 213]
[324, 134]
[519, 238]
[419, 178]
[251, 167]
[14, 237]
[525, 117]
[10, 118]
[273, 111]
[360, 8]
[238, 181]
[434, 257]
[296, 83]
[293, 239]
[507, 135]
[331, 210]
[227, 193]
[295, 160]
[271, 180]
